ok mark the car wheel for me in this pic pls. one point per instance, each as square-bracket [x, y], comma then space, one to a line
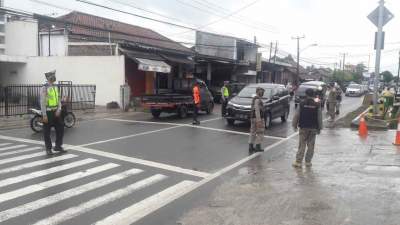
[268, 120]
[156, 113]
[230, 122]
[182, 112]
[285, 116]
[210, 108]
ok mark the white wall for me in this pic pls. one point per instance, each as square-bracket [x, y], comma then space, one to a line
[58, 44]
[21, 38]
[106, 72]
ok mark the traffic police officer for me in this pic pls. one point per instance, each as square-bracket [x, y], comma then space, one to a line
[309, 118]
[51, 110]
[196, 101]
[224, 97]
[257, 126]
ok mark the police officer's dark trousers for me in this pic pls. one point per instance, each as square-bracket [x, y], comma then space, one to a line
[223, 106]
[58, 124]
[307, 140]
[195, 112]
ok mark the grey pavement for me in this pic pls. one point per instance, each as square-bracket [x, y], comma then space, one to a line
[353, 181]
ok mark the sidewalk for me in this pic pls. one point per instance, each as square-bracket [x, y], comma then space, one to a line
[99, 112]
[352, 182]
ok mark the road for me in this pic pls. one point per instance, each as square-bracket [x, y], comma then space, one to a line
[124, 170]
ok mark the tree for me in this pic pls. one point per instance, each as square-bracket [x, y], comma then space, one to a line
[387, 76]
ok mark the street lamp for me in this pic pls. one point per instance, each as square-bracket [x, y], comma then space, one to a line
[312, 45]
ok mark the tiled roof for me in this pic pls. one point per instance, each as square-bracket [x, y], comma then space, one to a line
[123, 31]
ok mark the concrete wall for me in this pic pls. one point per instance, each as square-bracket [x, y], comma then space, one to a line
[106, 72]
[21, 38]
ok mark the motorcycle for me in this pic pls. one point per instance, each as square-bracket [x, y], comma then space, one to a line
[36, 121]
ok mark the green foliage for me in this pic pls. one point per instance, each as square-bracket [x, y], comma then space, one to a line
[387, 76]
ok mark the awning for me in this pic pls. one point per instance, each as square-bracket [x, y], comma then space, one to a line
[178, 59]
[148, 61]
[153, 65]
[249, 73]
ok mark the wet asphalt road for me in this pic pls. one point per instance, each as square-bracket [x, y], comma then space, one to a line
[169, 154]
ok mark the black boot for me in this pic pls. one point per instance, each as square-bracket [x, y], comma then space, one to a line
[258, 148]
[251, 148]
[49, 152]
[59, 149]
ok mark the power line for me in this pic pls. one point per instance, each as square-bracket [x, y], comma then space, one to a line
[137, 15]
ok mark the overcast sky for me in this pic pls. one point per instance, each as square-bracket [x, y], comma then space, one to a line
[336, 26]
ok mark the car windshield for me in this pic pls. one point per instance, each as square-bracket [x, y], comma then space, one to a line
[302, 89]
[354, 86]
[249, 92]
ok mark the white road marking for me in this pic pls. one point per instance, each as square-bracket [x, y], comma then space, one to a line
[119, 157]
[43, 202]
[102, 200]
[209, 120]
[20, 151]
[12, 147]
[189, 125]
[36, 174]
[143, 208]
[37, 163]
[128, 136]
[54, 182]
[4, 144]
[141, 162]
[18, 158]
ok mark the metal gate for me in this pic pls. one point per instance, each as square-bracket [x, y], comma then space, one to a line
[18, 99]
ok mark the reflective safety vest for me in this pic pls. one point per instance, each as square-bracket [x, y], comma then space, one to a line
[196, 95]
[225, 91]
[52, 97]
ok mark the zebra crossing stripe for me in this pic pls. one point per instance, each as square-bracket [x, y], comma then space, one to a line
[37, 163]
[29, 176]
[18, 158]
[143, 208]
[4, 144]
[97, 202]
[43, 202]
[54, 182]
[12, 147]
[19, 151]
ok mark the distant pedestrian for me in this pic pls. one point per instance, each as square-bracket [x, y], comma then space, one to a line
[257, 126]
[51, 111]
[332, 101]
[339, 96]
[308, 118]
[196, 101]
[225, 94]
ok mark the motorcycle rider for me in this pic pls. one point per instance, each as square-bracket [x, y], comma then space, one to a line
[50, 105]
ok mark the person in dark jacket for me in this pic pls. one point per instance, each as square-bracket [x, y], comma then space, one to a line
[308, 118]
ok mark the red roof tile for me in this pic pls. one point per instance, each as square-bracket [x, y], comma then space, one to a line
[126, 32]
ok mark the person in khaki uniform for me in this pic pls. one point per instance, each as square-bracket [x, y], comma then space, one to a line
[309, 118]
[332, 102]
[257, 126]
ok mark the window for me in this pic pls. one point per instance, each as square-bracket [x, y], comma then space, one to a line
[2, 30]
[162, 81]
[2, 40]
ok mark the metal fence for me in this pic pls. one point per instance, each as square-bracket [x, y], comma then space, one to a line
[18, 99]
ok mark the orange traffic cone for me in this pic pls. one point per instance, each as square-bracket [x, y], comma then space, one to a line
[397, 140]
[362, 128]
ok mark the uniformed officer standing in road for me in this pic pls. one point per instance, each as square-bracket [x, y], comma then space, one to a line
[224, 97]
[309, 118]
[51, 110]
[196, 101]
[332, 101]
[257, 126]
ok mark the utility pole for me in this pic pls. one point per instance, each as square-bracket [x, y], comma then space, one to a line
[398, 76]
[344, 61]
[49, 37]
[276, 50]
[270, 51]
[378, 54]
[298, 57]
